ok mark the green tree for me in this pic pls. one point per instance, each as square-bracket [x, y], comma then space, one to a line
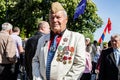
[27, 13]
[2, 11]
[88, 22]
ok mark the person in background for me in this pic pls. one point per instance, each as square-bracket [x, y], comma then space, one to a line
[96, 51]
[110, 60]
[31, 44]
[7, 53]
[95, 55]
[87, 72]
[60, 55]
[99, 60]
[24, 42]
[88, 45]
[98, 63]
[19, 48]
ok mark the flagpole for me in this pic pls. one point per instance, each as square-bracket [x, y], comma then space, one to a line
[108, 27]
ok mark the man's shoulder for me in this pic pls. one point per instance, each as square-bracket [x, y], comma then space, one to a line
[76, 33]
[35, 37]
[107, 51]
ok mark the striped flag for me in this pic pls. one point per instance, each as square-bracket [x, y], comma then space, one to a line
[80, 9]
[108, 26]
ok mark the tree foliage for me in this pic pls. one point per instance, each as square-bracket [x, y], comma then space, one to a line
[27, 13]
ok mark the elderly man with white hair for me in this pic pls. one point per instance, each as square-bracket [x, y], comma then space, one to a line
[7, 53]
[110, 60]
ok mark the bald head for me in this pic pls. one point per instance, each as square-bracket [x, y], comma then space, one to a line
[44, 27]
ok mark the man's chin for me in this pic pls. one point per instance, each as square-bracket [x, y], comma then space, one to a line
[56, 30]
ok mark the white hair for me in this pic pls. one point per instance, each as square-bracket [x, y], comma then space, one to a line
[6, 26]
[115, 36]
[87, 39]
[65, 13]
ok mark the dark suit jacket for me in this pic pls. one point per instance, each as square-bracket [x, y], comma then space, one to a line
[30, 49]
[108, 68]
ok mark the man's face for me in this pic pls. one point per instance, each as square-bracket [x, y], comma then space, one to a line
[115, 42]
[58, 22]
[87, 42]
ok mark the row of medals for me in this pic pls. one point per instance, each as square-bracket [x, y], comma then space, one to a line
[64, 52]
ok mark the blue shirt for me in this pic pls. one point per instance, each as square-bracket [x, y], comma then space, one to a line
[117, 55]
[18, 42]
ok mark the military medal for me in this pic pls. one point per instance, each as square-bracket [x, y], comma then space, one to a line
[71, 54]
[66, 48]
[61, 59]
[65, 53]
[57, 59]
[60, 48]
[71, 49]
[65, 39]
[69, 61]
[64, 62]
[65, 58]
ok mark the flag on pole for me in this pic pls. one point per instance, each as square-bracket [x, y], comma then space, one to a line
[108, 26]
[80, 9]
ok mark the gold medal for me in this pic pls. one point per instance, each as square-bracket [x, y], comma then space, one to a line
[64, 62]
[69, 61]
[71, 54]
[61, 59]
[57, 59]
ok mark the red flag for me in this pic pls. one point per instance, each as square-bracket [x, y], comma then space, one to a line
[109, 25]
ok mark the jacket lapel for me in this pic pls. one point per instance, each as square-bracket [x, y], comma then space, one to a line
[113, 58]
[47, 38]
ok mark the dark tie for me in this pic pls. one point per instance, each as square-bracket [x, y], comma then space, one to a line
[50, 56]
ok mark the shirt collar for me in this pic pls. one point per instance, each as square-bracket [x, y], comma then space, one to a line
[53, 34]
[117, 49]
